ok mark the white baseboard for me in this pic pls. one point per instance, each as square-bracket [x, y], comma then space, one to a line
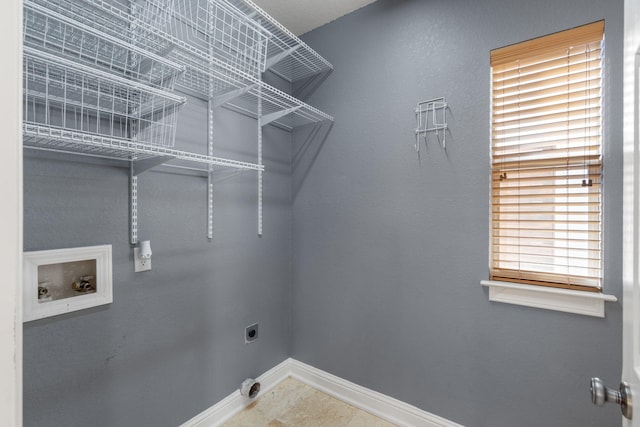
[235, 402]
[378, 404]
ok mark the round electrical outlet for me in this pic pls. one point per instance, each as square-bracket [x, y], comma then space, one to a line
[251, 333]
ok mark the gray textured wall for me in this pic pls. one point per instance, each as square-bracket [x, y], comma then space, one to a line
[172, 342]
[389, 249]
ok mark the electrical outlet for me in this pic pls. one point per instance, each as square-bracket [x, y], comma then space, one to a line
[251, 333]
[140, 264]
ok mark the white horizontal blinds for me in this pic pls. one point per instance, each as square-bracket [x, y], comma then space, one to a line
[546, 160]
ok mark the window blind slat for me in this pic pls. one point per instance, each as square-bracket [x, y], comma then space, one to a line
[590, 160]
[546, 279]
[532, 198]
[533, 247]
[543, 243]
[589, 218]
[554, 60]
[582, 35]
[507, 107]
[574, 78]
[533, 181]
[562, 65]
[541, 124]
[549, 118]
[542, 172]
[548, 207]
[545, 110]
[563, 186]
[592, 256]
[581, 141]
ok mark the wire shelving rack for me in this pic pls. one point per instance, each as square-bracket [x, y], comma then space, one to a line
[206, 75]
[99, 76]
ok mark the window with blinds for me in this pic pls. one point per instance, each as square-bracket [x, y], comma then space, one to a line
[546, 160]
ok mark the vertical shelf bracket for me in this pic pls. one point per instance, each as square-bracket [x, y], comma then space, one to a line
[136, 168]
[260, 119]
[210, 107]
[260, 124]
[431, 116]
[133, 204]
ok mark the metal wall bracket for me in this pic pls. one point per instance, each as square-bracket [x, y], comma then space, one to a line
[223, 98]
[272, 60]
[139, 166]
[302, 89]
[431, 117]
[268, 118]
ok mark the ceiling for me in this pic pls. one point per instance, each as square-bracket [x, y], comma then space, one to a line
[300, 16]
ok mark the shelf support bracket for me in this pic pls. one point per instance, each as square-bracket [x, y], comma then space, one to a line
[304, 88]
[222, 99]
[136, 168]
[139, 166]
[268, 118]
[273, 60]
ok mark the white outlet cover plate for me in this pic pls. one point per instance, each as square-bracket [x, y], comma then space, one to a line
[138, 263]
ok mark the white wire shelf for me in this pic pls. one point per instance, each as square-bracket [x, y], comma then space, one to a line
[97, 75]
[82, 143]
[278, 107]
[223, 31]
[61, 93]
[208, 77]
[288, 56]
[205, 75]
[212, 78]
[154, 12]
[120, 18]
[65, 36]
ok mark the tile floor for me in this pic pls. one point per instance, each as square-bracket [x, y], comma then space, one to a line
[292, 403]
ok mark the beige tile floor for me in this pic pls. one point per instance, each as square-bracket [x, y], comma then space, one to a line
[292, 403]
